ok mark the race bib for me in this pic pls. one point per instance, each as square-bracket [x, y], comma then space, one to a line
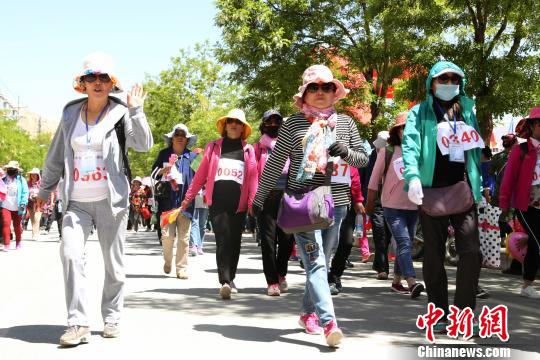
[399, 168]
[232, 170]
[87, 162]
[341, 173]
[466, 136]
[84, 163]
[536, 174]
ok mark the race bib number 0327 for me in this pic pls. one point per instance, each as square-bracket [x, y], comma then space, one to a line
[465, 135]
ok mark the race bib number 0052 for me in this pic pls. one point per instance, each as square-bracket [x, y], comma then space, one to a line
[229, 169]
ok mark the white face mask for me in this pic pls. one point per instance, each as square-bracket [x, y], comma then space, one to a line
[446, 92]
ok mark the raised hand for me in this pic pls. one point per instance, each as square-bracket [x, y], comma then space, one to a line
[136, 96]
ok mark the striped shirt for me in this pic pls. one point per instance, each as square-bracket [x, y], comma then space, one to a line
[289, 145]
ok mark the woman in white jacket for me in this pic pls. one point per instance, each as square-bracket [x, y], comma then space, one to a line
[89, 152]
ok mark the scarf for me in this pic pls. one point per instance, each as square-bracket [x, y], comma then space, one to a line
[268, 142]
[317, 140]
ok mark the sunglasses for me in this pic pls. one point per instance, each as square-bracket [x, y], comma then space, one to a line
[234, 121]
[444, 78]
[179, 134]
[104, 78]
[326, 88]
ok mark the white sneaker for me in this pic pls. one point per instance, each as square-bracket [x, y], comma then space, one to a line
[529, 292]
[225, 291]
[234, 289]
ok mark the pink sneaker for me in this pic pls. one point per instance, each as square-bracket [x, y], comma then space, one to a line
[283, 285]
[273, 290]
[333, 334]
[18, 246]
[200, 251]
[310, 322]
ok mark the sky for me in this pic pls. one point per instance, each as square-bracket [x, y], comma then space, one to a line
[43, 43]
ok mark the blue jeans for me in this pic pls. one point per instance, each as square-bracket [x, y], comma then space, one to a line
[330, 236]
[402, 224]
[198, 225]
[317, 298]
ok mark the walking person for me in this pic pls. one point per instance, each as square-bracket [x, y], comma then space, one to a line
[14, 205]
[309, 138]
[173, 166]
[137, 200]
[228, 171]
[198, 225]
[400, 213]
[444, 166]
[276, 245]
[35, 213]
[89, 152]
[520, 190]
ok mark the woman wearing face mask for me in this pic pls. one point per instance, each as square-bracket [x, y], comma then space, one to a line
[228, 170]
[14, 205]
[276, 246]
[89, 154]
[441, 150]
[311, 139]
[520, 190]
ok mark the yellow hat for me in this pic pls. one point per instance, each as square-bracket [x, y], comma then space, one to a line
[234, 114]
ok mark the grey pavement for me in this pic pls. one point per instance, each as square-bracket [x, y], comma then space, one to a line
[165, 317]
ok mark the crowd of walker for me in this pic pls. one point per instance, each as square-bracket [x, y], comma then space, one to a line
[431, 168]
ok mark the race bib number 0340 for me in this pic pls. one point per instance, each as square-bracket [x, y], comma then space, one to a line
[229, 169]
[465, 135]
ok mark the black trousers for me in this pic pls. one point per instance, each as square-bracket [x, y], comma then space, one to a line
[531, 222]
[381, 239]
[276, 246]
[228, 227]
[345, 245]
[435, 231]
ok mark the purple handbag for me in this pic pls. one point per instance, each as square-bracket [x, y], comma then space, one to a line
[307, 211]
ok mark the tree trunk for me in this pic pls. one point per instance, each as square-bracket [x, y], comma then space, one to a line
[485, 119]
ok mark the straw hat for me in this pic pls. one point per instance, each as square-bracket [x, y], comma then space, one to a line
[97, 63]
[234, 114]
[319, 74]
[401, 119]
[13, 164]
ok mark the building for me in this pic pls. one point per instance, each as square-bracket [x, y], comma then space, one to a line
[27, 120]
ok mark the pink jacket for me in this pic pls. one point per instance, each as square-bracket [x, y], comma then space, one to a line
[206, 174]
[356, 186]
[393, 196]
[261, 153]
[517, 181]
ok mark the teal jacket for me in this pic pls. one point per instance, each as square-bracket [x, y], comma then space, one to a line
[420, 137]
[22, 190]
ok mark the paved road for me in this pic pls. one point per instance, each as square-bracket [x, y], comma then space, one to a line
[165, 317]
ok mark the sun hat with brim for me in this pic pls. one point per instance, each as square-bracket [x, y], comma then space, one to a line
[234, 114]
[401, 119]
[34, 171]
[191, 138]
[319, 74]
[13, 164]
[449, 70]
[97, 63]
[137, 178]
[382, 138]
[522, 127]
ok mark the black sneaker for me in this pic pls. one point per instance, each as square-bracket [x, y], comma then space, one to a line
[416, 290]
[338, 285]
[482, 293]
[349, 264]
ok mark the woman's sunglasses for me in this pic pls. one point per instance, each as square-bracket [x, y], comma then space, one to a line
[234, 121]
[326, 88]
[444, 78]
[104, 78]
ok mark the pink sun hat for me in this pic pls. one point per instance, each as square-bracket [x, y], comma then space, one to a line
[97, 63]
[319, 74]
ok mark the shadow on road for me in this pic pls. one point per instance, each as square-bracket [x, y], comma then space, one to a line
[259, 334]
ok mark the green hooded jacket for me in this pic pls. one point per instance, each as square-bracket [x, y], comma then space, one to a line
[420, 137]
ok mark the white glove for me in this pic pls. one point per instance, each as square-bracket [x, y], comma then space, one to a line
[415, 191]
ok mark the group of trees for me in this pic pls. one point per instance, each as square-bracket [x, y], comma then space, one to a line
[377, 44]
[16, 144]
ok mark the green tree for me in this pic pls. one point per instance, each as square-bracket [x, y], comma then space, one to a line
[16, 144]
[270, 43]
[195, 91]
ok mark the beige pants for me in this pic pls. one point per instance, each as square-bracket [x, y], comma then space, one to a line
[181, 228]
[35, 219]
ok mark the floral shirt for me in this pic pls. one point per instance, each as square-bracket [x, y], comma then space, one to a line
[137, 199]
